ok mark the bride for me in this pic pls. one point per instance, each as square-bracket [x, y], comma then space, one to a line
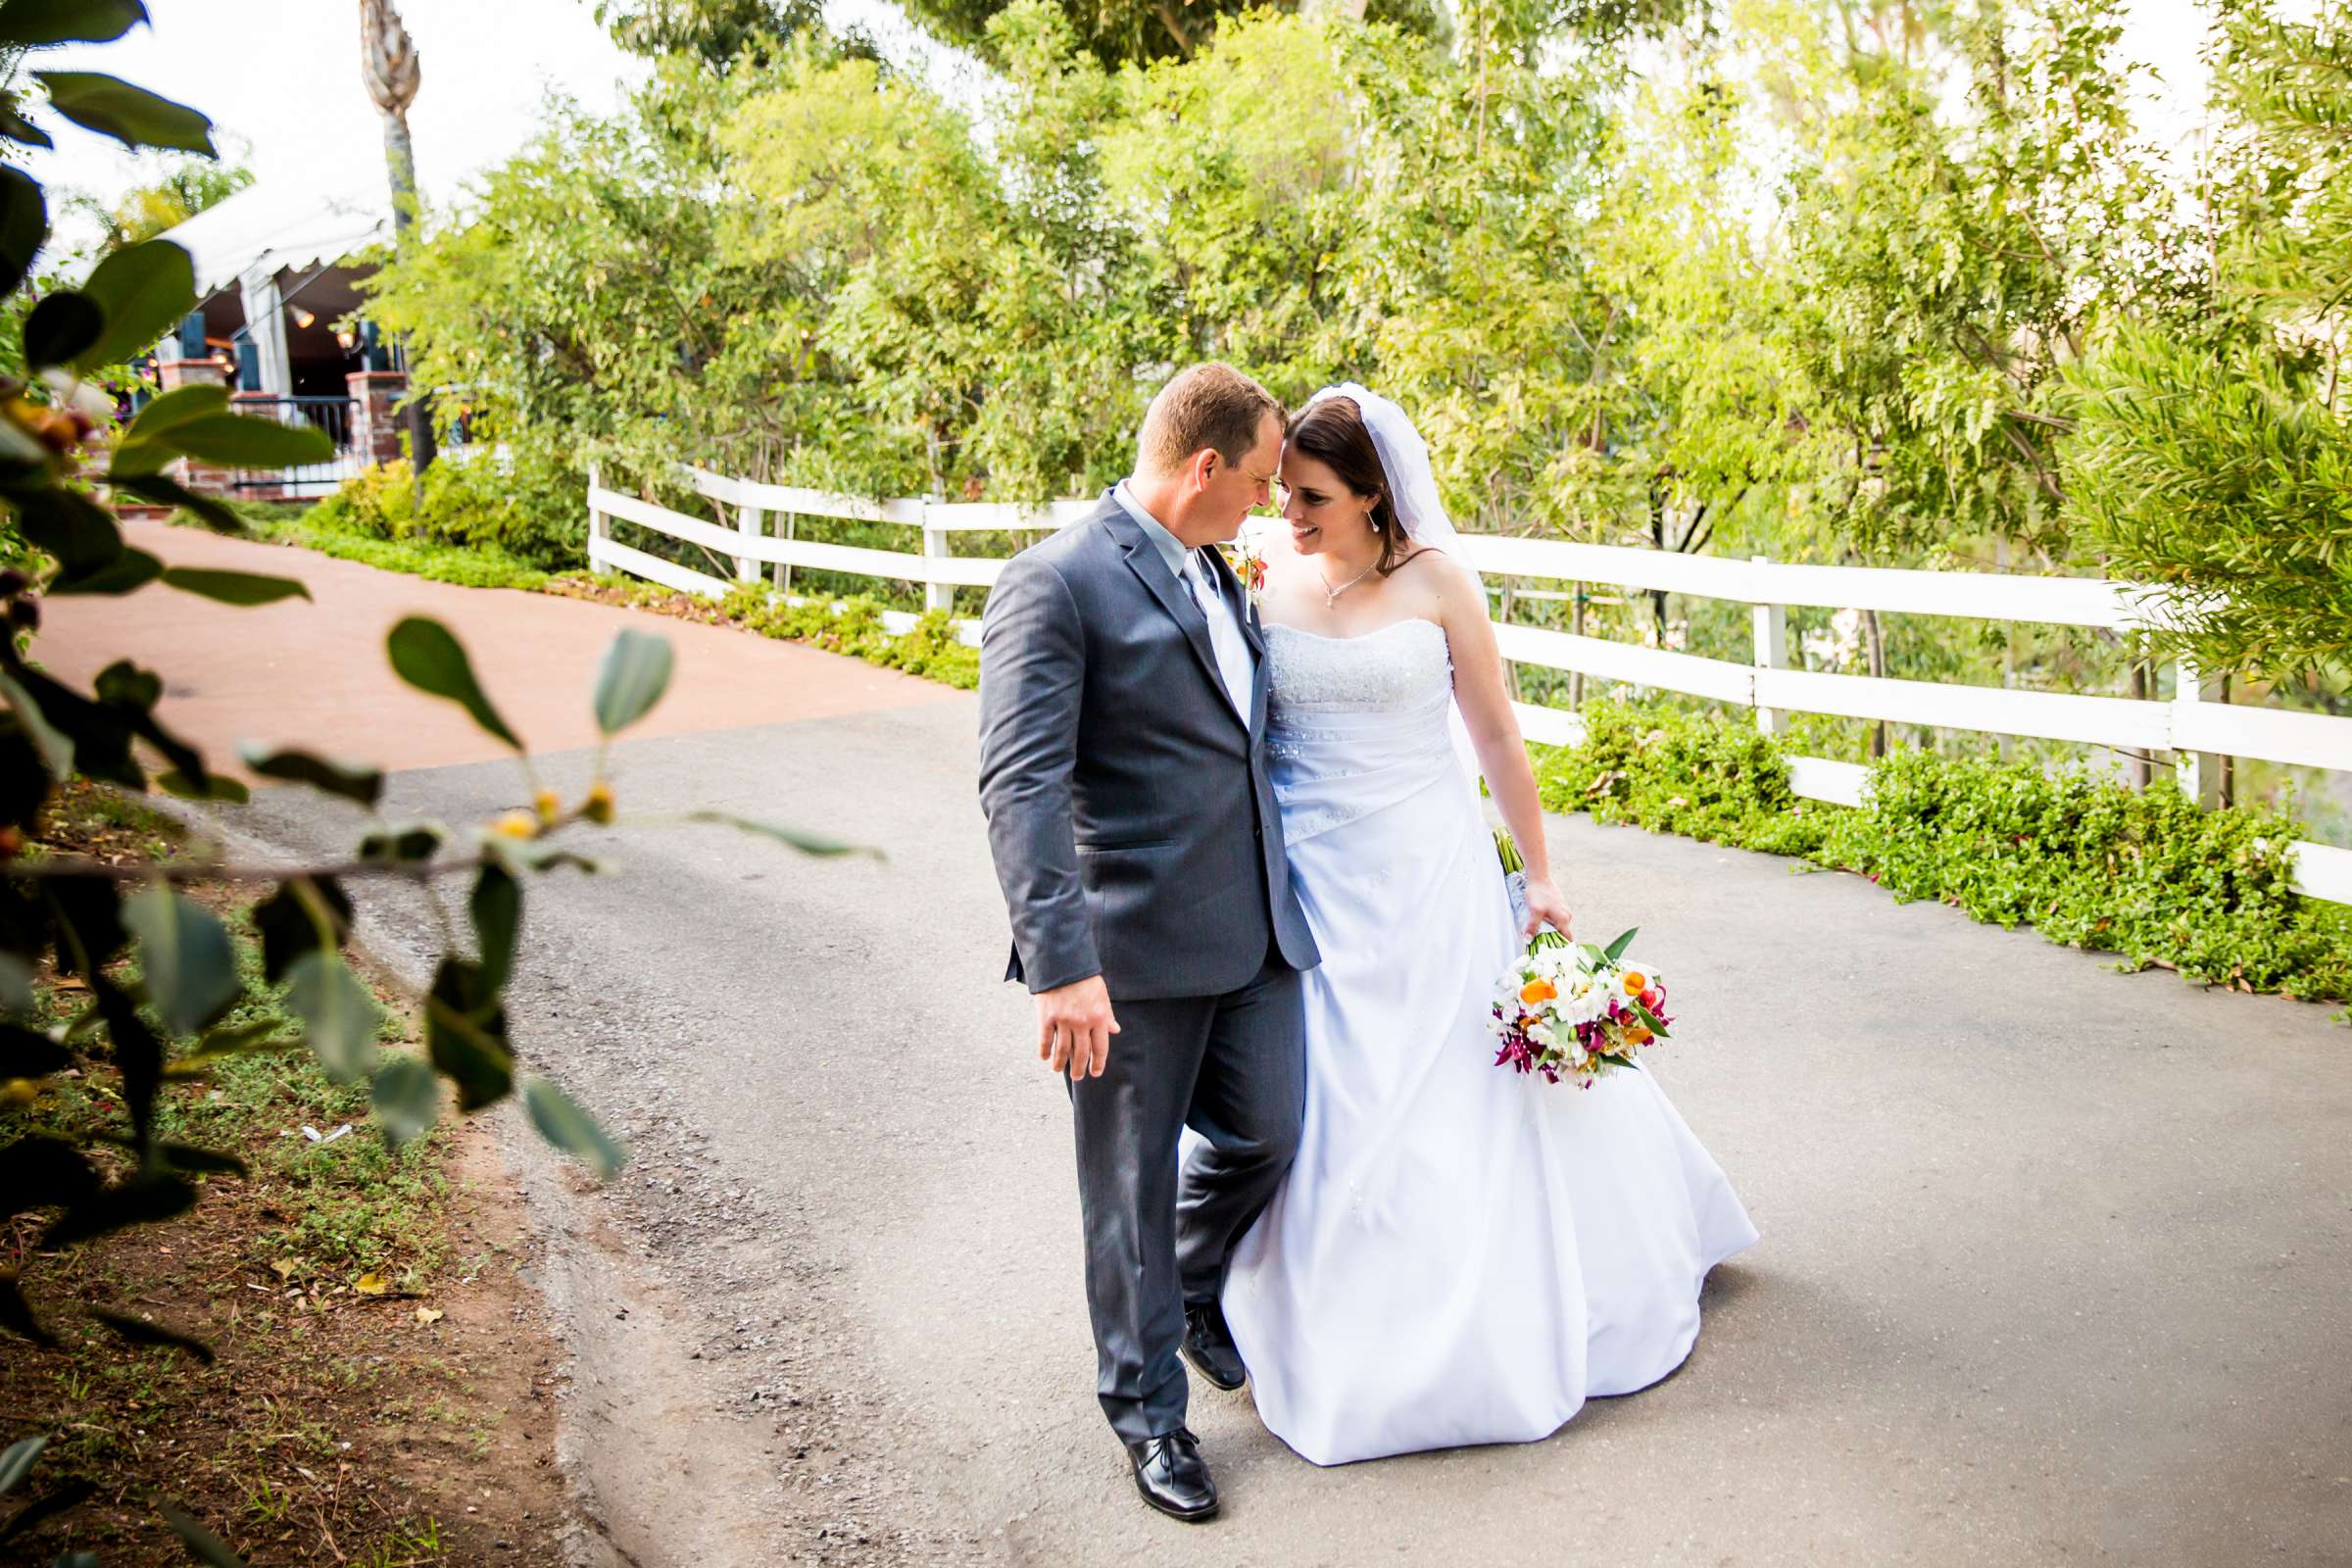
[1460, 1255]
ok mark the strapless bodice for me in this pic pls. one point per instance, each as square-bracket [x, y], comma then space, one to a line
[1353, 724]
[1400, 668]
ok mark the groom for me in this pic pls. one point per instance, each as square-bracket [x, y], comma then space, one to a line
[1122, 768]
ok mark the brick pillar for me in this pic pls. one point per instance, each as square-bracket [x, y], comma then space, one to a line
[260, 483]
[202, 477]
[375, 422]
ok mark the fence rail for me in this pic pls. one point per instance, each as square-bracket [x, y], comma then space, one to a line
[2195, 727]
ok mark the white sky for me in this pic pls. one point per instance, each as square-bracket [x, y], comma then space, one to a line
[284, 75]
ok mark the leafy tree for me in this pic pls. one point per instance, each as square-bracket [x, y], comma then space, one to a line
[717, 32]
[2213, 453]
[179, 187]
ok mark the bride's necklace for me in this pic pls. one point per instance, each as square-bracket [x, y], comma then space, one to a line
[1330, 595]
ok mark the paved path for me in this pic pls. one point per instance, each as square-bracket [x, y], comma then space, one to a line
[2056, 1263]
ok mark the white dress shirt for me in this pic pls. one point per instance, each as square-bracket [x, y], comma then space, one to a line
[1235, 665]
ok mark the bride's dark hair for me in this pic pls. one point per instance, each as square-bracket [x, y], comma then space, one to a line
[1332, 433]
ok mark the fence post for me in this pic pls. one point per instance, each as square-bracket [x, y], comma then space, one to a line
[781, 576]
[936, 595]
[599, 528]
[751, 522]
[1771, 626]
[2204, 775]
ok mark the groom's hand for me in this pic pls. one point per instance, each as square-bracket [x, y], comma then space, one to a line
[1074, 1027]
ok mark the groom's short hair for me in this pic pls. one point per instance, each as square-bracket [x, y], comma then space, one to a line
[1211, 405]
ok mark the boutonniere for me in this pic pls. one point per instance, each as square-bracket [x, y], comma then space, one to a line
[1248, 563]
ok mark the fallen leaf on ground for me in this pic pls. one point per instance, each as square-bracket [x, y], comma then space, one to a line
[428, 1314]
[370, 1285]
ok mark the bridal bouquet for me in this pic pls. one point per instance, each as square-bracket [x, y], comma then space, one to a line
[1574, 1009]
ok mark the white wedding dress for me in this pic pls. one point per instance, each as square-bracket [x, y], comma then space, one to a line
[1460, 1255]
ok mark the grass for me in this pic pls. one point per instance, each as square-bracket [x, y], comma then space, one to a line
[466, 565]
[298, 1275]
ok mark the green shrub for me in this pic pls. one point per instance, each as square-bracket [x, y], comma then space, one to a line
[2096, 865]
[528, 509]
[2087, 861]
[930, 650]
[1671, 771]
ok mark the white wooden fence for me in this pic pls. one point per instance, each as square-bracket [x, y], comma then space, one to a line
[2194, 728]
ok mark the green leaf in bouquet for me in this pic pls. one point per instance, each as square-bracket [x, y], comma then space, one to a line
[1650, 1019]
[1624, 940]
[1594, 958]
[133, 115]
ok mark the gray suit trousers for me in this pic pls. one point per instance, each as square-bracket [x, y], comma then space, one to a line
[1233, 1068]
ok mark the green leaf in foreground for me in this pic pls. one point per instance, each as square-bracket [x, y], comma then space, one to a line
[189, 963]
[134, 568]
[466, 1034]
[429, 657]
[214, 787]
[562, 1123]
[140, 1201]
[407, 1098]
[237, 441]
[133, 115]
[352, 781]
[61, 327]
[1624, 940]
[338, 1013]
[497, 910]
[18, 1462]
[805, 843]
[37, 24]
[139, 1331]
[208, 1547]
[24, 225]
[143, 291]
[242, 588]
[634, 674]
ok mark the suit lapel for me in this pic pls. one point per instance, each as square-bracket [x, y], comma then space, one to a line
[1245, 615]
[1145, 562]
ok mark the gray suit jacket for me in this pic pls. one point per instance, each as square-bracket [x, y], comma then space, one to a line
[1134, 831]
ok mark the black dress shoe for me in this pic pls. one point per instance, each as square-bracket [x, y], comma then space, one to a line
[1171, 1476]
[1208, 1346]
